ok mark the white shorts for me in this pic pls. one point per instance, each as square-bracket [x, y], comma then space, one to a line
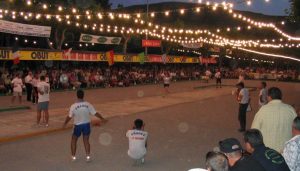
[137, 156]
[17, 93]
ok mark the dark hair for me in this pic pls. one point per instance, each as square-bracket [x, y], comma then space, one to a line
[264, 84]
[138, 123]
[253, 137]
[42, 78]
[275, 93]
[80, 94]
[297, 123]
[241, 84]
[216, 161]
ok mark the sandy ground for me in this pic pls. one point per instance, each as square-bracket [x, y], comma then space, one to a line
[180, 135]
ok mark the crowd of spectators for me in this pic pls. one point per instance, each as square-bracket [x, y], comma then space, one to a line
[272, 143]
[124, 76]
[91, 77]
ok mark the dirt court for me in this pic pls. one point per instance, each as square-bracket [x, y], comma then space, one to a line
[182, 128]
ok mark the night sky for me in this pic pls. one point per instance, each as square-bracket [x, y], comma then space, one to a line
[273, 7]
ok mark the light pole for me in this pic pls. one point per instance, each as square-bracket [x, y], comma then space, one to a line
[146, 48]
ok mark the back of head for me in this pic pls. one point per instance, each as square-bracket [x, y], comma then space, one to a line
[241, 85]
[264, 84]
[80, 94]
[138, 123]
[253, 137]
[275, 93]
[216, 161]
[296, 123]
[42, 78]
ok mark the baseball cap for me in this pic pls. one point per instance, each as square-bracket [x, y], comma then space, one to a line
[230, 145]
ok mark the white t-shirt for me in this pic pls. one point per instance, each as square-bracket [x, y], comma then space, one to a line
[245, 93]
[17, 84]
[197, 170]
[81, 112]
[264, 96]
[137, 143]
[208, 73]
[167, 80]
[218, 75]
[44, 87]
[28, 79]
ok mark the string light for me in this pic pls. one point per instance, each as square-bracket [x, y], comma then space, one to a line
[270, 54]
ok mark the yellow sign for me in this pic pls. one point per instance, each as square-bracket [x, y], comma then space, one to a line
[43, 55]
[40, 55]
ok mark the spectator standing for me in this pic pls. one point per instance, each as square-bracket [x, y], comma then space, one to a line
[270, 159]
[43, 100]
[263, 94]
[28, 85]
[243, 99]
[218, 77]
[291, 152]
[35, 82]
[17, 85]
[273, 120]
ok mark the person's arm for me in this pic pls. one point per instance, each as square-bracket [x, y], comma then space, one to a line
[290, 154]
[256, 124]
[39, 89]
[68, 118]
[98, 115]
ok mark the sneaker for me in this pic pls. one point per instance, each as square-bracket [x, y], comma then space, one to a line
[73, 158]
[88, 158]
[47, 125]
[143, 160]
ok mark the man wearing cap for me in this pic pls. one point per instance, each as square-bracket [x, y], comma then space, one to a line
[270, 159]
[232, 148]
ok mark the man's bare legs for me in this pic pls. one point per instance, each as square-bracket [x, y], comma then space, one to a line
[86, 144]
[20, 99]
[38, 117]
[74, 145]
[13, 99]
[46, 115]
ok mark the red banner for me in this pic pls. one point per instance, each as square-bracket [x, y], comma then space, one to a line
[155, 58]
[210, 60]
[151, 43]
[74, 56]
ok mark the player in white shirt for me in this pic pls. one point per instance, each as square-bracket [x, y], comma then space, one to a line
[81, 111]
[208, 75]
[137, 141]
[218, 77]
[244, 100]
[43, 89]
[263, 94]
[17, 85]
[167, 80]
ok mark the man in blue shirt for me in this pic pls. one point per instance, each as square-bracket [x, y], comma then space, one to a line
[270, 159]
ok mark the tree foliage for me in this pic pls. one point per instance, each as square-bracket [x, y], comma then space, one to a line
[294, 11]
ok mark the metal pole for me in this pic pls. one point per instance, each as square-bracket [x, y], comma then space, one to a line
[146, 48]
